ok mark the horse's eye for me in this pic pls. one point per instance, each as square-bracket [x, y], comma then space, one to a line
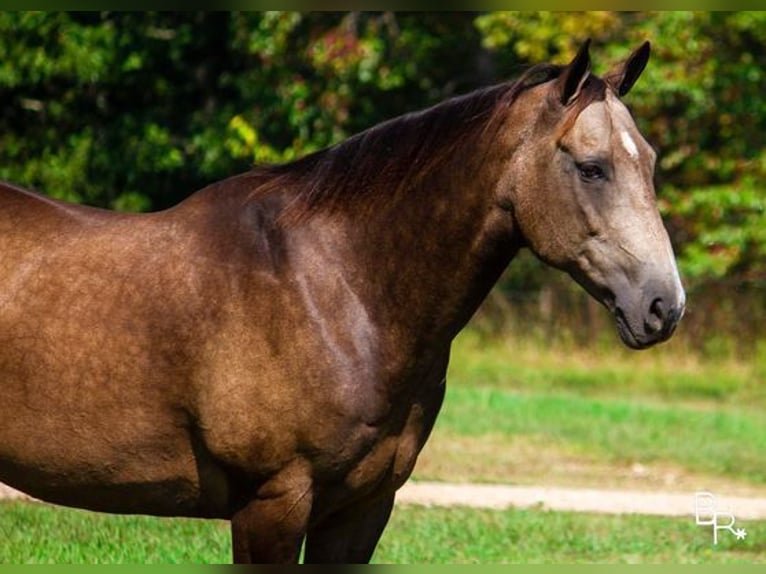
[591, 171]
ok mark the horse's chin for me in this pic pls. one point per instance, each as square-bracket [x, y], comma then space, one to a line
[608, 299]
[628, 337]
[638, 341]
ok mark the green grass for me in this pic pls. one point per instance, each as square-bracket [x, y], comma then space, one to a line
[459, 535]
[728, 442]
[604, 407]
[669, 373]
[34, 533]
[39, 533]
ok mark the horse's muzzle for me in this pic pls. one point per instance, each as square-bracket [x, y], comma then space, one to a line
[658, 323]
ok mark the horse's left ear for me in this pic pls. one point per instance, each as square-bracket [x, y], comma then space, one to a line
[624, 76]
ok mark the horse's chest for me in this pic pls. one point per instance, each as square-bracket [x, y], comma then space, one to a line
[390, 457]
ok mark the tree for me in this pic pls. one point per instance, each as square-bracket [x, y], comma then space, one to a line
[137, 110]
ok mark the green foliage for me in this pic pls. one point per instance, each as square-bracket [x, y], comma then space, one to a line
[725, 228]
[545, 36]
[136, 110]
[103, 107]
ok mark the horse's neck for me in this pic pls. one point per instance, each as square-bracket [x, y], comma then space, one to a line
[425, 263]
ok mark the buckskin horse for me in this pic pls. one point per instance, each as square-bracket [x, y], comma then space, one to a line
[272, 350]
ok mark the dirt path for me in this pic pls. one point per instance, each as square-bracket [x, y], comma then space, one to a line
[498, 496]
[8, 493]
[573, 499]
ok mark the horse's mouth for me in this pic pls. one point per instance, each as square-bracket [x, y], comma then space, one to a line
[626, 333]
[644, 340]
[648, 334]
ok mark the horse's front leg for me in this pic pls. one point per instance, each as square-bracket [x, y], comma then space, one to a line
[271, 528]
[350, 537]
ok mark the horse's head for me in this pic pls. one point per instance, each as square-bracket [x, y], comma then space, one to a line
[585, 202]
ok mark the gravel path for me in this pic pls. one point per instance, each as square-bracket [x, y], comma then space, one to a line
[498, 496]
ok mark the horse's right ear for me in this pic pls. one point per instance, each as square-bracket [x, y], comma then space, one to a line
[574, 75]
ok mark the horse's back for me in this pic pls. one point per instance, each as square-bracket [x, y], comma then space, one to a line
[96, 355]
[18, 202]
[121, 334]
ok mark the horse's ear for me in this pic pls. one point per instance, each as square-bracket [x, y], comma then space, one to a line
[622, 78]
[574, 75]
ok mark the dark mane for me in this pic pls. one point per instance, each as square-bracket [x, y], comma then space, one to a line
[397, 153]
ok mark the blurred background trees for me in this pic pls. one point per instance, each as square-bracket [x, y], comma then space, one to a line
[134, 111]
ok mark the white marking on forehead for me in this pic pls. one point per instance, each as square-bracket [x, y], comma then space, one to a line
[629, 144]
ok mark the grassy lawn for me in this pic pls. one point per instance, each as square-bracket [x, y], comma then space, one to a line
[729, 442]
[38, 533]
[34, 533]
[668, 374]
[521, 413]
[459, 535]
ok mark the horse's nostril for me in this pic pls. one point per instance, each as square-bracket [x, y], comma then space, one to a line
[657, 308]
[655, 322]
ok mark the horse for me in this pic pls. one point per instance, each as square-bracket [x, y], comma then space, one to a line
[272, 350]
